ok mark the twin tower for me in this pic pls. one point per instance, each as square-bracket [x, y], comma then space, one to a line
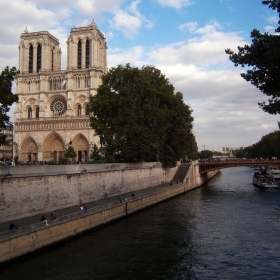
[53, 103]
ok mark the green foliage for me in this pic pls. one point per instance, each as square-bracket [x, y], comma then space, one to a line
[95, 156]
[138, 116]
[63, 160]
[268, 146]
[95, 153]
[70, 153]
[215, 153]
[205, 154]
[275, 5]
[7, 98]
[264, 57]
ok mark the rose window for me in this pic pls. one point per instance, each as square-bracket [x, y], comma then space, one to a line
[58, 106]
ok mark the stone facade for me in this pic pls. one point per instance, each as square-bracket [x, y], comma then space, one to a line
[53, 103]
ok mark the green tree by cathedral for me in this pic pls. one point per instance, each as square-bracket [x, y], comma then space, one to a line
[141, 118]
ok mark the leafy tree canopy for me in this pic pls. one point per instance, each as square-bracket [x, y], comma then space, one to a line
[263, 57]
[139, 117]
[7, 98]
[70, 152]
[206, 154]
[268, 146]
[96, 156]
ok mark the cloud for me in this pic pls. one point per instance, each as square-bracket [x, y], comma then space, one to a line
[95, 8]
[130, 20]
[177, 4]
[224, 105]
[188, 26]
[121, 56]
[206, 48]
[273, 19]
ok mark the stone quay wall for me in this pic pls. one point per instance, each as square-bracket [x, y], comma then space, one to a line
[27, 239]
[27, 191]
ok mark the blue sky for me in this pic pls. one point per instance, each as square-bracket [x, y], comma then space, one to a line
[185, 39]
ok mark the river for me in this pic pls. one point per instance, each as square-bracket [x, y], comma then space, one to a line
[227, 229]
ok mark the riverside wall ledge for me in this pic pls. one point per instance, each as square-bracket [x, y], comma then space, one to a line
[51, 170]
[15, 243]
[33, 190]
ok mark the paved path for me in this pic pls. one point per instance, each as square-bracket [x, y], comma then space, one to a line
[69, 210]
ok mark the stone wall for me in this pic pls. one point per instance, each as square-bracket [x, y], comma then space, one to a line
[25, 240]
[33, 190]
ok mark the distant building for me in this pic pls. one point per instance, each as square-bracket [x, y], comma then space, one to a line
[225, 150]
[53, 103]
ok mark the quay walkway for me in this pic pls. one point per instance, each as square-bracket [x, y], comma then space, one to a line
[103, 203]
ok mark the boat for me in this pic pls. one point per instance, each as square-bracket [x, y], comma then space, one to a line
[264, 180]
[273, 170]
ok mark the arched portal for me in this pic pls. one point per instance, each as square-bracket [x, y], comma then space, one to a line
[53, 147]
[29, 150]
[81, 147]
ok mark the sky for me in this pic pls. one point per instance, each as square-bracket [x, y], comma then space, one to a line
[185, 39]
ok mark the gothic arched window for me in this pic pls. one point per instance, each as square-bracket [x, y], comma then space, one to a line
[37, 112]
[79, 110]
[39, 57]
[52, 58]
[87, 109]
[30, 62]
[79, 55]
[87, 53]
[29, 113]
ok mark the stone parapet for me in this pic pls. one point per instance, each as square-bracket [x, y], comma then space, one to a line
[30, 238]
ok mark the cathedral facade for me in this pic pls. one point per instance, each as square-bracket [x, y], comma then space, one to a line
[53, 103]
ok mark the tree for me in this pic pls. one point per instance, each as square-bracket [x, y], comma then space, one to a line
[7, 98]
[268, 146]
[206, 154]
[70, 152]
[140, 118]
[96, 156]
[264, 58]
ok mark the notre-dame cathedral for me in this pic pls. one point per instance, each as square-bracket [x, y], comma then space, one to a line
[53, 103]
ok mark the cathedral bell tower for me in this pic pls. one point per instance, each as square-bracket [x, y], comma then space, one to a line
[53, 103]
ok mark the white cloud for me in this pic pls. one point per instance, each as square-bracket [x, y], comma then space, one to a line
[224, 105]
[130, 20]
[273, 19]
[126, 23]
[269, 29]
[188, 26]
[81, 7]
[120, 56]
[177, 4]
[206, 48]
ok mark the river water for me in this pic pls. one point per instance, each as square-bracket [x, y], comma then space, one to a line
[227, 229]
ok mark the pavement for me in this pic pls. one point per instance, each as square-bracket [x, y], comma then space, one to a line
[66, 211]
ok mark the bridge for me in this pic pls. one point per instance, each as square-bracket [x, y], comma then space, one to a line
[212, 164]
